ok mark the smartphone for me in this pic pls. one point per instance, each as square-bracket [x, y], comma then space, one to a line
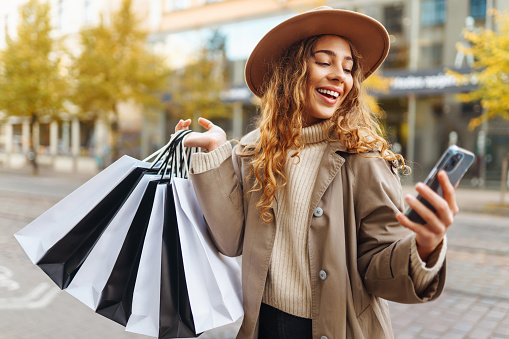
[455, 161]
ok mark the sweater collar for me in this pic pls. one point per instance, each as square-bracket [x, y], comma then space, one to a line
[335, 144]
[314, 133]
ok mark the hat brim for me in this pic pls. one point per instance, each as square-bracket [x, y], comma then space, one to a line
[369, 37]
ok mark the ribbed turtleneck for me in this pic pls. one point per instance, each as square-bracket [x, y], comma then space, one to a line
[288, 285]
[314, 133]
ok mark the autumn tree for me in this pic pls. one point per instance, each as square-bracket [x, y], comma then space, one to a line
[490, 50]
[115, 65]
[32, 83]
[196, 88]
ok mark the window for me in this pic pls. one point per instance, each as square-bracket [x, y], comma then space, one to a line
[397, 58]
[471, 109]
[180, 4]
[61, 14]
[432, 12]
[5, 31]
[431, 55]
[393, 16]
[478, 9]
[176, 5]
[168, 5]
[88, 11]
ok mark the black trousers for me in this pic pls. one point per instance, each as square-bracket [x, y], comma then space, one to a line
[276, 324]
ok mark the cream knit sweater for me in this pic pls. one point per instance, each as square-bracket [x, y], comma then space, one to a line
[288, 285]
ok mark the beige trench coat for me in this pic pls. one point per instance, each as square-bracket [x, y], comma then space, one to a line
[358, 252]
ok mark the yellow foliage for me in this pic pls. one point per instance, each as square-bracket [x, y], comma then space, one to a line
[116, 65]
[376, 83]
[491, 68]
[31, 83]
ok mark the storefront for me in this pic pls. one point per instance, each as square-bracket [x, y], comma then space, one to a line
[424, 116]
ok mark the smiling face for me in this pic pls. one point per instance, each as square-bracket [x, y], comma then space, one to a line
[330, 78]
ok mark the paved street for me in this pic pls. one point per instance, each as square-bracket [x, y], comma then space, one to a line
[474, 305]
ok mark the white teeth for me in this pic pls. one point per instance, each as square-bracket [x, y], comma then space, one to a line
[326, 91]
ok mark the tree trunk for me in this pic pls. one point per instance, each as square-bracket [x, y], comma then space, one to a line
[32, 152]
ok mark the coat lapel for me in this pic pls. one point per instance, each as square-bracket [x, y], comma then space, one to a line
[329, 167]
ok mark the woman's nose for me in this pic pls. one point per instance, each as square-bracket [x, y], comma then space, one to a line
[337, 74]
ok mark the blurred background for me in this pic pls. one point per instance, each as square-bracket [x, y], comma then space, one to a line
[83, 82]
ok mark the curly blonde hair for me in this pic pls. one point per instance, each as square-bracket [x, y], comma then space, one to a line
[281, 122]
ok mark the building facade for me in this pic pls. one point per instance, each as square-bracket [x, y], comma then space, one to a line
[422, 112]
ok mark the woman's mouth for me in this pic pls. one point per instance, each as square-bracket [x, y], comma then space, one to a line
[328, 95]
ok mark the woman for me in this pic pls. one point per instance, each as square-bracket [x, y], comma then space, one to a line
[311, 198]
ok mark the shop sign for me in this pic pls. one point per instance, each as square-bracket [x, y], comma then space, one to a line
[429, 82]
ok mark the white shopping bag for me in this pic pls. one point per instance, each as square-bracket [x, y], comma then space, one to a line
[41, 234]
[213, 280]
[144, 318]
[91, 278]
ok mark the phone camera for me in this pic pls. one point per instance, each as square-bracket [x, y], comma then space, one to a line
[453, 162]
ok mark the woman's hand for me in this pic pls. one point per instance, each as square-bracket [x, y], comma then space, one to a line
[430, 235]
[209, 140]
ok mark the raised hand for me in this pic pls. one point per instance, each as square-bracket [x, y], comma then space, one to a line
[430, 235]
[214, 137]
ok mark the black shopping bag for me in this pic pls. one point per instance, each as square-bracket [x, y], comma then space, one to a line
[176, 318]
[116, 296]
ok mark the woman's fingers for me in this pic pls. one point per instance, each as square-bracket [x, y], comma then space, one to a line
[195, 139]
[449, 191]
[425, 240]
[413, 226]
[183, 125]
[433, 223]
[208, 140]
[207, 124]
[443, 210]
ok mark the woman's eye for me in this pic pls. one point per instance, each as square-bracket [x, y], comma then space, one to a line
[347, 70]
[322, 63]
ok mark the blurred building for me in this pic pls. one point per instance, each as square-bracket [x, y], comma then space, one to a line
[423, 115]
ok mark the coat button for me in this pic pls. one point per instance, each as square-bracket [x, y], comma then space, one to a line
[323, 275]
[318, 212]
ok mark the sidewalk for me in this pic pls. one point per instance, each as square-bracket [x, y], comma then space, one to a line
[476, 200]
[472, 200]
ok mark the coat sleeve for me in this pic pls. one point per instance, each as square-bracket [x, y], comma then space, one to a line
[384, 246]
[218, 188]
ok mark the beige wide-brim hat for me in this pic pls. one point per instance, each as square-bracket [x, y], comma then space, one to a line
[369, 37]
